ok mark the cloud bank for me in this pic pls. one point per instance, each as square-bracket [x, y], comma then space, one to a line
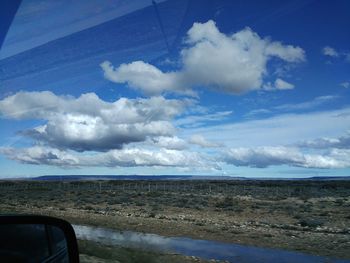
[88, 123]
[343, 142]
[128, 157]
[263, 157]
[201, 141]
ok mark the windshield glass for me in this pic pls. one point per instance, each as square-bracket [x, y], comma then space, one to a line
[220, 109]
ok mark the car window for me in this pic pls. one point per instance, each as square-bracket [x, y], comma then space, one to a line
[181, 130]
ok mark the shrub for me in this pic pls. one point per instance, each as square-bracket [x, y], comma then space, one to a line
[152, 215]
[140, 203]
[226, 202]
[89, 207]
[309, 222]
[339, 202]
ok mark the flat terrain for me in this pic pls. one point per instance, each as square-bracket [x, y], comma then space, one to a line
[306, 216]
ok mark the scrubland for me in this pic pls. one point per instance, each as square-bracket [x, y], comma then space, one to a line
[306, 216]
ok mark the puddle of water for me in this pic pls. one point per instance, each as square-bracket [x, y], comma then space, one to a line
[193, 247]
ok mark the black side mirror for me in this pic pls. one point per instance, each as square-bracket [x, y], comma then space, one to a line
[29, 238]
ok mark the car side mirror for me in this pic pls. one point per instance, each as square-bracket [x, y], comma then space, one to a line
[31, 238]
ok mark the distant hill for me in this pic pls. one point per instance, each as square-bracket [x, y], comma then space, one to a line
[170, 177]
[129, 177]
[327, 178]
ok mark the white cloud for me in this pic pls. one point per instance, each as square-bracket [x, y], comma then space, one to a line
[282, 85]
[257, 112]
[144, 76]
[88, 123]
[233, 64]
[329, 51]
[345, 84]
[202, 119]
[41, 155]
[279, 84]
[143, 157]
[246, 141]
[263, 157]
[318, 101]
[293, 107]
[172, 143]
[332, 52]
[128, 157]
[281, 129]
[342, 142]
[201, 141]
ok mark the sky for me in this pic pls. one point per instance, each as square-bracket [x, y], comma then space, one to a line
[253, 88]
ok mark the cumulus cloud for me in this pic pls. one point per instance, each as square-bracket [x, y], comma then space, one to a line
[144, 76]
[333, 53]
[279, 84]
[343, 142]
[128, 157]
[201, 141]
[318, 153]
[233, 64]
[282, 85]
[88, 123]
[263, 157]
[173, 143]
[41, 155]
[329, 51]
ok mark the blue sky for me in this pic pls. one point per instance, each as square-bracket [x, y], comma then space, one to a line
[250, 89]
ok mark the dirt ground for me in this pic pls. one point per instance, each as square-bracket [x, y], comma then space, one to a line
[310, 221]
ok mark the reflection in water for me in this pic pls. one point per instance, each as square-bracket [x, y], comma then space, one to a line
[123, 238]
[201, 248]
